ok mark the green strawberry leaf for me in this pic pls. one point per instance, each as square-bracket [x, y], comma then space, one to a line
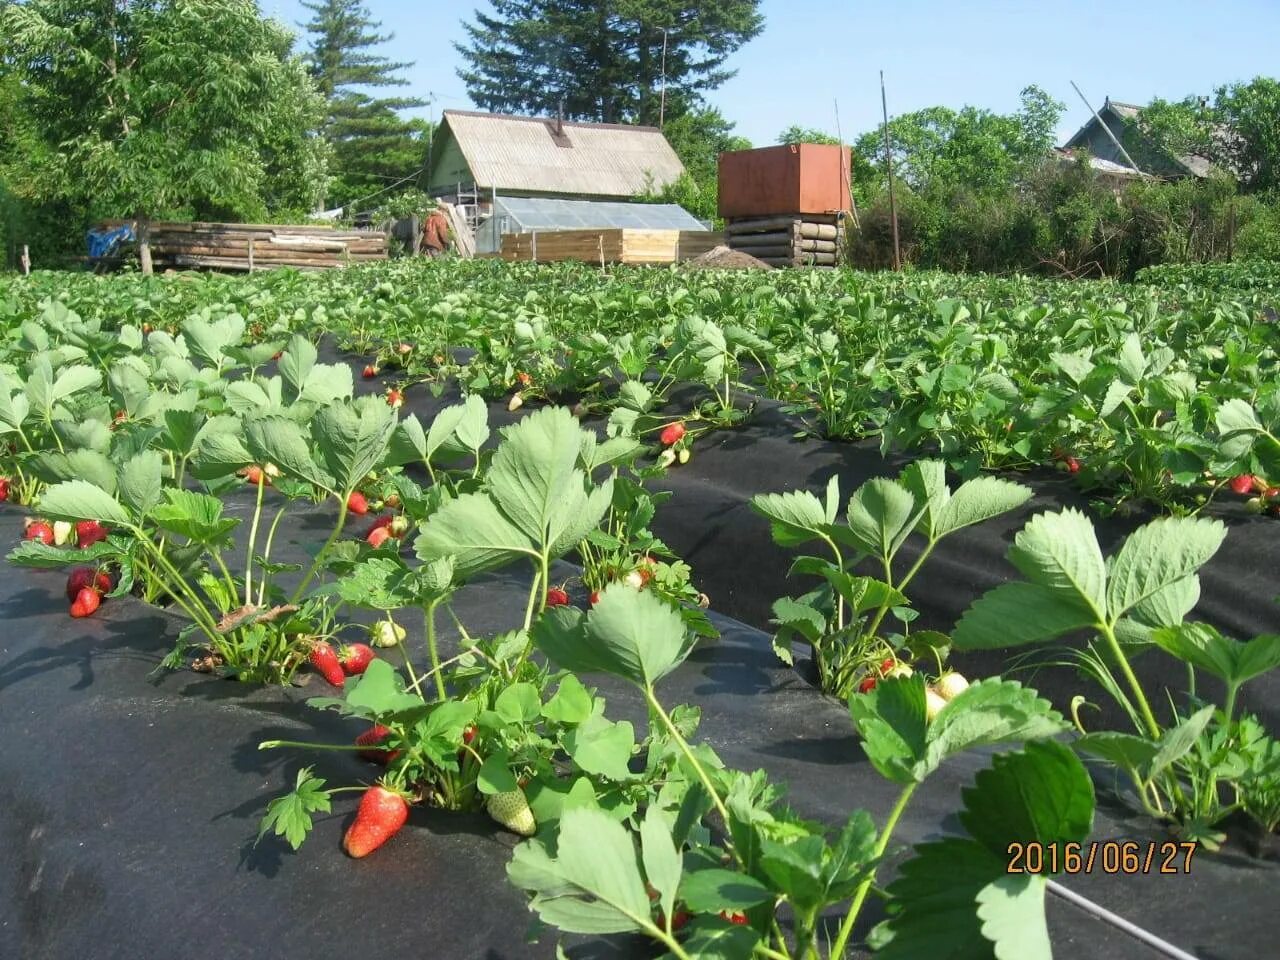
[904, 747]
[81, 500]
[290, 816]
[593, 884]
[955, 896]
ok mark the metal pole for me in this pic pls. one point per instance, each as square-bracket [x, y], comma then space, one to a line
[662, 101]
[1119, 146]
[888, 163]
[845, 171]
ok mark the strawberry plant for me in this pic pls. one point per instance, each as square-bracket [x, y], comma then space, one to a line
[841, 620]
[1132, 603]
[712, 844]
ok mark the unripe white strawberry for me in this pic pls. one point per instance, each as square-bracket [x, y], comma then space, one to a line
[900, 669]
[399, 525]
[933, 703]
[271, 470]
[634, 580]
[386, 633]
[515, 403]
[684, 455]
[666, 458]
[950, 685]
[511, 809]
[1253, 505]
[62, 532]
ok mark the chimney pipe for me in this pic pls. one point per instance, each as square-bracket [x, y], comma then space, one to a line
[560, 119]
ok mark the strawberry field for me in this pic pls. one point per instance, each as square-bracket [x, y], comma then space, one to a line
[641, 613]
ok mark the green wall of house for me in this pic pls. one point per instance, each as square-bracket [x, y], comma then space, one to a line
[449, 166]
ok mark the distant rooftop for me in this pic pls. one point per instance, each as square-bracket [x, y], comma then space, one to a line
[543, 155]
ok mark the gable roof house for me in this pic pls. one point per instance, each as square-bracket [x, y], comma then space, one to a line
[1121, 119]
[516, 174]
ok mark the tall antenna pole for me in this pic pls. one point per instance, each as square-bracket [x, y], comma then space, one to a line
[662, 101]
[888, 164]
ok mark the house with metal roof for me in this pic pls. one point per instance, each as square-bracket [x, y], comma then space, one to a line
[514, 174]
[1121, 119]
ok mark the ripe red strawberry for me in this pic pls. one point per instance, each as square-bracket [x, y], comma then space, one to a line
[381, 814]
[887, 664]
[89, 532]
[678, 919]
[369, 372]
[255, 475]
[1073, 465]
[595, 597]
[86, 602]
[557, 597]
[524, 378]
[1271, 493]
[378, 536]
[356, 657]
[469, 733]
[371, 738]
[81, 577]
[4, 488]
[1243, 484]
[395, 398]
[325, 661]
[671, 433]
[867, 685]
[40, 530]
[357, 503]
[734, 916]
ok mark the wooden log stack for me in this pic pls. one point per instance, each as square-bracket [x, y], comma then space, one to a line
[790, 240]
[255, 246]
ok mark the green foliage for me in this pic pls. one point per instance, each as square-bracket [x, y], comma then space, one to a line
[190, 109]
[1238, 131]
[698, 137]
[373, 146]
[604, 61]
[798, 134]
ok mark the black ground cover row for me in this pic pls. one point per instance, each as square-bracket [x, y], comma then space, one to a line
[129, 804]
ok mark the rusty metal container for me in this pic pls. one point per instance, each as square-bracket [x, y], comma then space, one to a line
[792, 178]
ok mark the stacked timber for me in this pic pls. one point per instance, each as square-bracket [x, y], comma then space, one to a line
[790, 240]
[618, 245]
[253, 246]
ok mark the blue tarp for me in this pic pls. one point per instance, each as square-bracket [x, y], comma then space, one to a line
[102, 243]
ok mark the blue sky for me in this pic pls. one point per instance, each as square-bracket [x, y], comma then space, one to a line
[813, 53]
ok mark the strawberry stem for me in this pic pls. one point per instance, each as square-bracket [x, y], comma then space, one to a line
[328, 544]
[846, 928]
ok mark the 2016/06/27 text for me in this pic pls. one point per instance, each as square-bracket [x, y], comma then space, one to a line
[1105, 856]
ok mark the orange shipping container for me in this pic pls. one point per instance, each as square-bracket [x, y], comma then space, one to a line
[792, 178]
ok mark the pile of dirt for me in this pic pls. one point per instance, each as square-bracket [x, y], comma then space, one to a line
[722, 258]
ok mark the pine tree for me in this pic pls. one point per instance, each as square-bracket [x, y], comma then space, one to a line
[603, 58]
[373, 145]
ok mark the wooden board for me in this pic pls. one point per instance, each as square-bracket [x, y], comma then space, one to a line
[615, 245]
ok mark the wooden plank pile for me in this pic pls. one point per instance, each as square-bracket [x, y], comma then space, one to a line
[790, 240]
[619, 245]
[255, 246]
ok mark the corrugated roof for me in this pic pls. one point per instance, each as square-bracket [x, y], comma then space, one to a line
[591, 159]
[552, 213]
